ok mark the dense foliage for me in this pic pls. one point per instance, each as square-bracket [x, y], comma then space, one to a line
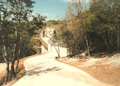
[94, 30]
[17, 27]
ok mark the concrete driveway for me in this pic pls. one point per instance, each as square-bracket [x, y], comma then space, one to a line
[44, 70]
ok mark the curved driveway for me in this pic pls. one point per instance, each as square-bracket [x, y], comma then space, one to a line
[44, 70]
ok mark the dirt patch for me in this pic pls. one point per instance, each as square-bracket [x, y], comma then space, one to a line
[106, 70]
[20, 72]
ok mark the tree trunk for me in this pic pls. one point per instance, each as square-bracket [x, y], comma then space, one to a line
[87, 45]
[18, 60]
[59, 50]
[0, 34]
[3, 48]
[7, 63]
[12, 69]
[17, 65]
[7, 75]
[15, 54]
[13, 62]
[118, 39]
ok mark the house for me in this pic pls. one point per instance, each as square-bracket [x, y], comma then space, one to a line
[45, 38]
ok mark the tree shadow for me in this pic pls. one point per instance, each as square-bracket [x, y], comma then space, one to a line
[38, 71]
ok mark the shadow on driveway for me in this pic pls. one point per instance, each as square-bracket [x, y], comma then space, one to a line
[38, 71]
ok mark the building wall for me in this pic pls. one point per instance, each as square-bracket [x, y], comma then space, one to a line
[47, 33]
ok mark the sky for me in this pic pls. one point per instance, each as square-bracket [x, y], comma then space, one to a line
[53, 9]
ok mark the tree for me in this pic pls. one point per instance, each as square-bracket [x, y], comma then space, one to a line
[36, 24]
[3, 10]
[54, 22]
[10, 30]
[20, 9]
[76, 17]
[14, 32]
[106, 23]
[95, 30]
[56, 39]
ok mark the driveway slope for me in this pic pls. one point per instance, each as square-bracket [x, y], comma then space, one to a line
[44, 70]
